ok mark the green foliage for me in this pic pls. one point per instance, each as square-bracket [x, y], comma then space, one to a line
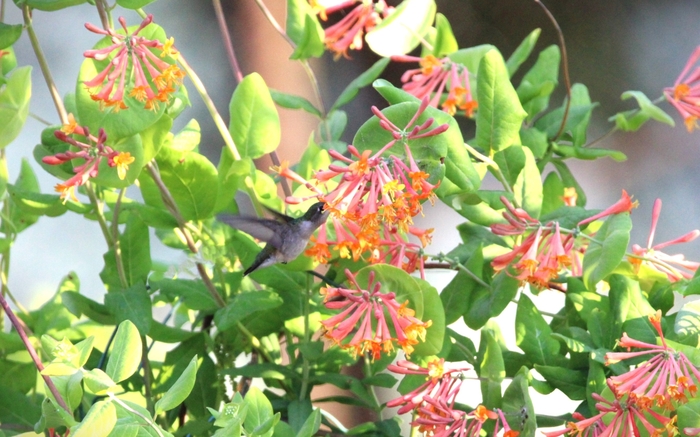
[159, 356]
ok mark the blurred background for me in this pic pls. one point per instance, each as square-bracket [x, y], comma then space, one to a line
[613, 46]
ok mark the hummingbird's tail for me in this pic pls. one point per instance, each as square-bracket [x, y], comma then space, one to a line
[259, 260]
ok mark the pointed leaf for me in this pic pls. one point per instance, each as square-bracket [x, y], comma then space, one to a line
[99, 421]
[126, 352]
[14, 104]
[182, 388]
[533, 335]
[254, 123]
[605, 253]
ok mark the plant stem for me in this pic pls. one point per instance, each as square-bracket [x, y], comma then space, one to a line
[32, 353]
[116, 244]
[43, 64]
[173, 209]
[454, 264]
[307, 336]
[100, 215]
[131, 410]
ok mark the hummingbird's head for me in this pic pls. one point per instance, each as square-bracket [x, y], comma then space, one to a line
[317, 214]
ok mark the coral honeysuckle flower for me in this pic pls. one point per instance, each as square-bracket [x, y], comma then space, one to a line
[667, 377]
[347, 33]
[667, 264]
[625, 204]
[92, 150]
[154, 79]
[373, 205]
[434, 77]
[365, 312]
[684, 95]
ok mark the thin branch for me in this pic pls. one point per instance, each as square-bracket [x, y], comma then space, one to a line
[221, 19]
[32, 353]
[565, 67]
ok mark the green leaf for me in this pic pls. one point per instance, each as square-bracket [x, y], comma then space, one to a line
[180, 390]
[445, 41]
[595, 383]
[126, 352]
[14, 104]
[522, 52]
[433, 312]
[192, 293]
[511, 162]
[97, 381]
[689, 415]
[471, 58]
[34, 203]
[527, 189]
[99, 421]
[518, 406]
[403, 29]
[205, 390]
[133, 4]
[254, 123]
[52, 5]
[155, 136]
[490, 302]
[259, 410]
[539, 82]
[500, 114]
[491, 369]
[122, 123]
[607, 250]
[244, 305]
[457, 294]
[311, 44]
[290, 101]
[311, 425]
[360, 82]
[533, 335]
[571, 382]
[191, 179]
[687, 323]
[109, 177]
[631, 121]
[135, 248]
[313, 159]
[9, 34]
[133, 305]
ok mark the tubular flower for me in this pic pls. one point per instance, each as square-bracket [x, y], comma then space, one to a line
[365, 311]
[373, 205]
[93, 150]
[684, 95]
[347, 33]
[154, 79]
[625, 204]
[660, 261]
[434, 77]
[666, 377]
[542, 256]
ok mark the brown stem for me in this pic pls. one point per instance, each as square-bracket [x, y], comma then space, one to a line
[565, 67]
[221, 19]
[32, 353]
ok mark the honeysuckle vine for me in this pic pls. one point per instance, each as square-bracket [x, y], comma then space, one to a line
[242, 313]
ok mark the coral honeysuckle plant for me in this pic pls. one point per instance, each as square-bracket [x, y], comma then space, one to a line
[249, 351]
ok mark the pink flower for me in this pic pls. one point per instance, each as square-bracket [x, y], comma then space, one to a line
[365, 311]
[154, 79]
[625, 204]
[684, 95]
[347, 34]
[435, 76]
[660, 261]
[667, 376]
[92, 152]
[375, 199]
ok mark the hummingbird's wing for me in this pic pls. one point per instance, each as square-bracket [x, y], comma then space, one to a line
[279, 216]
[269, 231]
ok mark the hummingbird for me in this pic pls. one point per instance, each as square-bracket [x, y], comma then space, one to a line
[286, 237]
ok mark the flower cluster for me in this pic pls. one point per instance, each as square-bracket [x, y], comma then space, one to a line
[667, 264]
[684, 95]
[666, 379]
[365, 311]
[434, 77]
[545, 253]
[347, 33]
[373, 205]
[154, 79]
[93, 150]
[433, 403]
